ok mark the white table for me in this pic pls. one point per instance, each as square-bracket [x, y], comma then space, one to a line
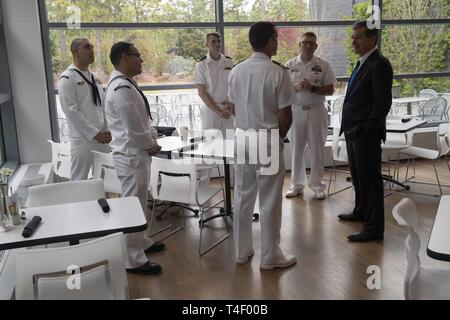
[398, 126]
[75, 221]
[439, 243]
[172, 143]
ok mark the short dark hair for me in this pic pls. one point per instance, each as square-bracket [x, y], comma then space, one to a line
[117, 50]
[76, 43]
[213, 34]
[260, 33]
[369, 33]
[309, 34]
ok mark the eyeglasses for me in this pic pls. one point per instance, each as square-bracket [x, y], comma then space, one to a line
[307, 43]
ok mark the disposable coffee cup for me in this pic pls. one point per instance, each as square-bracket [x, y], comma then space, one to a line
[184, 133]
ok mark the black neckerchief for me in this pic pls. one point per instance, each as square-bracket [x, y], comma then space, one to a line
[147, 105]
[95, 94]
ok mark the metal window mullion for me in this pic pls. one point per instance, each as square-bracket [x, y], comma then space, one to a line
[48, 69]
[219, 21]
[131, 25]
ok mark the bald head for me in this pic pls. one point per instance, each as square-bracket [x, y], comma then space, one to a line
[82, 51]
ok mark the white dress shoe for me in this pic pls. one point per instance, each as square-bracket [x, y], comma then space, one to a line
[245, 260]
[293, 192]
[320, 195]
[286, 261]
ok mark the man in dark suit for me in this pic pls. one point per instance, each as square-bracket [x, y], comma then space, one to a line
[366, 105]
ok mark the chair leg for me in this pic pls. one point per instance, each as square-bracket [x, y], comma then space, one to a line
[201, 252]
[437, 178]
[331, 176]
[163, 228]
[446, 160]
[329, 182]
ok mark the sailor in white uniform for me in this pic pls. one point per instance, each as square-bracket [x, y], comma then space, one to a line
[211, 78]
[262, 94]
[133, 144]
[82, 100]
[313, 79]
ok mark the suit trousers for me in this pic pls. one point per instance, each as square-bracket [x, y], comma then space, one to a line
[133, 173]
[364, 157]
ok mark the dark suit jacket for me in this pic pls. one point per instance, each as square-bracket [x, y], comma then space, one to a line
[368, 100]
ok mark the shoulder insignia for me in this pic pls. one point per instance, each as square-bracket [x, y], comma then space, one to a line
[122, 86]
[228, 57]
[237, 63]
[64, 77]
[201, 59]
[279, 64]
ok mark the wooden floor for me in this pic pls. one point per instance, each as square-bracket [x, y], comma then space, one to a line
[329, 267]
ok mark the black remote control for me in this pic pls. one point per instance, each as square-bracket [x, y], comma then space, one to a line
[31, 227]
[104, 204]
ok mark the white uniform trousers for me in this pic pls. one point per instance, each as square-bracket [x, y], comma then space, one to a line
[133, 172]
[308, 127]
[248, 180]
[81, 158]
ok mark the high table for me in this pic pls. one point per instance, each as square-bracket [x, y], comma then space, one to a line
[439, 243]
[221, 149]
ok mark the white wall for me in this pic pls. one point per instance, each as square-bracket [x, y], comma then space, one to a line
[29, 89]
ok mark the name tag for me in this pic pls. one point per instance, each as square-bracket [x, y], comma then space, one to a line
[316, 68]
[80, 83]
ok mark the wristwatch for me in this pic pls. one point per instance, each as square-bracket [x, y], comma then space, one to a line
[313, 89]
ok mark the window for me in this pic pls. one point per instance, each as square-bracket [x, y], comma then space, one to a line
[287, 10]
[8, 137]
[169, 54]
[417, 9]
[131, 11]
[331, 45]
[170, 36]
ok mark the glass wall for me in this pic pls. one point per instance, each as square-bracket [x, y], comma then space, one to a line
[170, 35]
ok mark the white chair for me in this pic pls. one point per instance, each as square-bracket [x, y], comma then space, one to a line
[175, 180]
[419, 283]
[395, 143]
[65, 192]
[339, 154]
[433, 110]
[89, 271]
[428, 93]
[60, 159]
[426, 145]
[104, 169]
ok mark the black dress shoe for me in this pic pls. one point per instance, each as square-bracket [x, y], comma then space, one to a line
[156, 247]
[365, 236]
[147, 268]
[350, 217]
